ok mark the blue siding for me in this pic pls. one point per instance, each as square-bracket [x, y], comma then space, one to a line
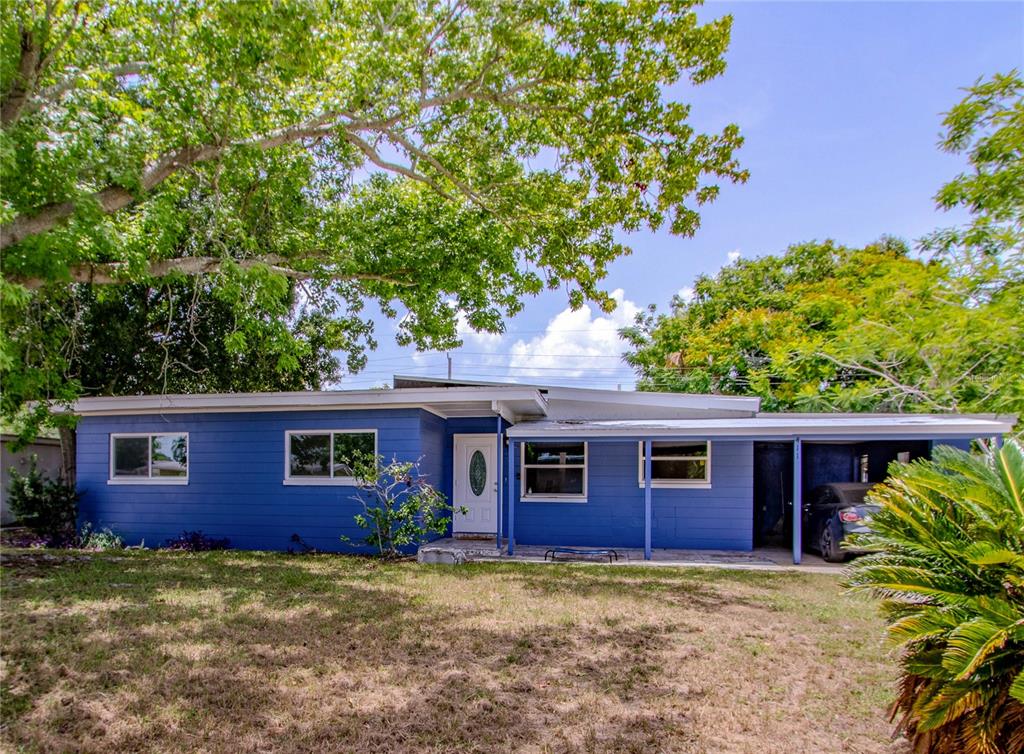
[954, 443]
[432, 449]
[236, 473]
[236, 490]
[613, 515]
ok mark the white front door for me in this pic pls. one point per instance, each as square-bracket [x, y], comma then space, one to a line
[475, 486]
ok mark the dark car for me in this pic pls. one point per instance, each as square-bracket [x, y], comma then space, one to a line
[833, 511]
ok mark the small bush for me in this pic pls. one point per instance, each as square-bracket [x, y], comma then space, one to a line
[47, 506]
[90, 539]
[399, 507]
[196, 541]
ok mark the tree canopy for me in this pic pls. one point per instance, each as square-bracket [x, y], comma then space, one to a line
[879, 328]
[434, 157]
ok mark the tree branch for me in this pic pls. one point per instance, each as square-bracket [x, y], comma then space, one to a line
[414, 150]
[896, 385]
[23, 81]
[116, 197]
[113, 273]
[53, 92]
[373, 156]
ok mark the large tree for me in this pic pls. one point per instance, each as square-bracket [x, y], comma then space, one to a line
[825, 327]
[436, 157]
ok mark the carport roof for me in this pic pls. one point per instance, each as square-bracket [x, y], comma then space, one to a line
[777, 426]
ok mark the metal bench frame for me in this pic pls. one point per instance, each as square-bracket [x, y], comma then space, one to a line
[554, 552]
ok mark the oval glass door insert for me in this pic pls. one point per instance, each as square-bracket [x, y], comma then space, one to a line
[477, 473]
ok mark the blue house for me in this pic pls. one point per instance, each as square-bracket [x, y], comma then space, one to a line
[530, 464]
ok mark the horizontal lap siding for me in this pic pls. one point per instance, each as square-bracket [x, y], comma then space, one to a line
[236, 474]
[432, 434]
[720, 518]
[716, 518]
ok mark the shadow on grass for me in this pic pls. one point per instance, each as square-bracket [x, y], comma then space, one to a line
[253, 651]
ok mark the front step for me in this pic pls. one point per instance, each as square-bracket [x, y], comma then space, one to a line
[457, 554]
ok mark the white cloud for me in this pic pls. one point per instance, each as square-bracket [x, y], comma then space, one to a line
[488, 341]
[471, 340]
[734, 255]
[581, 343]
[686, 293]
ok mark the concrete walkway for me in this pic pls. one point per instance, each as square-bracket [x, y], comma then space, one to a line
[453, 551]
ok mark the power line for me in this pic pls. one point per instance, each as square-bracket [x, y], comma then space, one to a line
[510, 354]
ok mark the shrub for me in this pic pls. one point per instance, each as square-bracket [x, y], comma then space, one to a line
[47, 506]
[90, 539]
[399, 507]
[196, 541]
[948, 565]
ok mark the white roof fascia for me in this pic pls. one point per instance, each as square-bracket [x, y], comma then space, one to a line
[667, 400]
[822, 425]
[745, 404]
[433, 399]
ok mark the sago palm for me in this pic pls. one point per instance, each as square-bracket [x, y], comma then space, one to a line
[948, 564]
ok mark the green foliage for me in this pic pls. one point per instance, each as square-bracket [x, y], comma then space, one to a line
[179, 336]
[400, 507]
[432, 158]
[47, 506]
[826, 327]
[91, 539]
[948, 566]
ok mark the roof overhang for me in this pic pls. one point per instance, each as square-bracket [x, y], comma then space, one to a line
[625, 398]
[630, 398]
[777, 427]
[513, 404]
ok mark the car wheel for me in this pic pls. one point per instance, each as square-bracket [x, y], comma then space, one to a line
[830, 550]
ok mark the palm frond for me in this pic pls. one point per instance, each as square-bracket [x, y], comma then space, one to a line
[947, 563]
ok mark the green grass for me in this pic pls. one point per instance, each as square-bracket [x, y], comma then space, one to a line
[232, 651]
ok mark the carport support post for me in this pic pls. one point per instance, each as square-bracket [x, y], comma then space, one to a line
[647, 499]
[798, 502]
[498, 488]
[511, 498]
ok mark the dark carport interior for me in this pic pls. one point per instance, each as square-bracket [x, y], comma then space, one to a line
[823, 463]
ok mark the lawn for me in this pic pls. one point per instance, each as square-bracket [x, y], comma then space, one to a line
[233, 651]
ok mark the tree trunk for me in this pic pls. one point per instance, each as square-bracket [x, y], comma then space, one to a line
[67, 454]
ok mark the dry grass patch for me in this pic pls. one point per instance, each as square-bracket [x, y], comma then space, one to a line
[223, 652]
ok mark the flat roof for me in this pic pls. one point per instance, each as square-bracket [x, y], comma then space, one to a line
[463, 401]
[444, 397]
[782, 426]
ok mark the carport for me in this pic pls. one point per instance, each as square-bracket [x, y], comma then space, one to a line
[805, 449]
[822, 462]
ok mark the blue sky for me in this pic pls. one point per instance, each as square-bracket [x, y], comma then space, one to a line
[840, 104]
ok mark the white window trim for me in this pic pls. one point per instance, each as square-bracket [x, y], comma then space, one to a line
[551, 498]
[161, 480]
[312, 481]
[690, 484]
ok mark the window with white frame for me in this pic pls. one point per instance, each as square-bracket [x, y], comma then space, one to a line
[684, 463]
[554, 471]
[140, 458]
[327, 456]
